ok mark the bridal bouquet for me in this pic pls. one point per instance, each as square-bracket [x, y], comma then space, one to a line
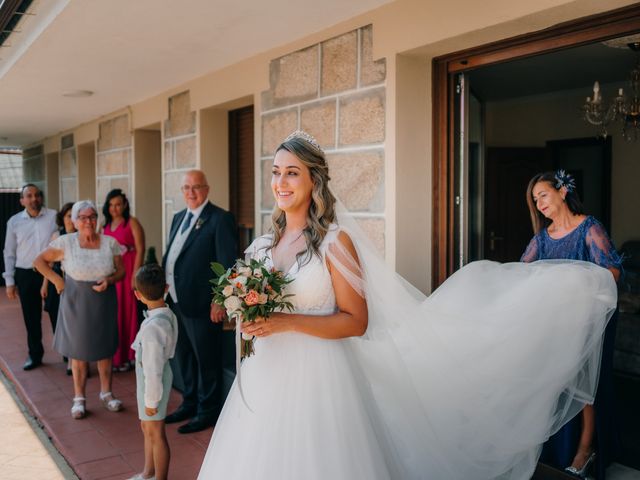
[249, 290]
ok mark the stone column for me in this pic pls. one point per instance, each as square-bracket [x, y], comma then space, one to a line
[335, 91]
[33, 168]
[68, 170]
[114, 159]
[179, 153]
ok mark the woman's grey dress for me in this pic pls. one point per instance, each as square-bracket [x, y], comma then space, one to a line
[87, 320]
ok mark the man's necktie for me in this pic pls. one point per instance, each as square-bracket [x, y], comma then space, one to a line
[186, 223]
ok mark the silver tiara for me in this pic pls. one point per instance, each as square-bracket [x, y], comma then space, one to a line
[301, 134]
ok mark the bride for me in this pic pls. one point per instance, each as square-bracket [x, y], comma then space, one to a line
[368, 379]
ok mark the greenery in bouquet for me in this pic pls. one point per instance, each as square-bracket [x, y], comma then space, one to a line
[247, 291]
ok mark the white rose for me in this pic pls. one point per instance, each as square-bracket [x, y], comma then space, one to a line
[232, 304]
[227, 291]
[257, 273]
[244, 271]
[246, 336]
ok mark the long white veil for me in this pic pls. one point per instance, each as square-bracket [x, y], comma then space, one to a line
[470, 381]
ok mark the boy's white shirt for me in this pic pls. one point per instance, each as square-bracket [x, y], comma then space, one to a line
[156, 339]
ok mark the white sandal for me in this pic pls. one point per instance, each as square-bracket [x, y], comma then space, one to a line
[110, 402]
[78, 410]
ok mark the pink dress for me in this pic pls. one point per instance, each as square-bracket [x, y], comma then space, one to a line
[127, 308]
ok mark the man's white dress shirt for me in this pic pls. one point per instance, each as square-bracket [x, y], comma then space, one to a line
[26, 237]
[176, 248]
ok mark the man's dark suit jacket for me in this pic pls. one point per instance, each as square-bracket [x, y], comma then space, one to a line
[213, 238]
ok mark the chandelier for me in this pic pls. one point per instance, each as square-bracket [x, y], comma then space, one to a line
[623, 109]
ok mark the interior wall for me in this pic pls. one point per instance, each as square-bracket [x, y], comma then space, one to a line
[413, 172]
[531, 121]
[214, 153]
[87, 171]
[147, 152]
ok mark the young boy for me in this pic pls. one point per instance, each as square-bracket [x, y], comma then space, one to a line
[155, 344]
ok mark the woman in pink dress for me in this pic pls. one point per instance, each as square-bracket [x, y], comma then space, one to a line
[119, 224]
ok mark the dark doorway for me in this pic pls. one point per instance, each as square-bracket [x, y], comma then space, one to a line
[9, 206]
[241, 173]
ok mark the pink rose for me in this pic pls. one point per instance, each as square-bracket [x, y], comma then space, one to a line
[252, 298]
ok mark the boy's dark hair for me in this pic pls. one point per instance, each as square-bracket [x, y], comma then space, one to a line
[150, 281]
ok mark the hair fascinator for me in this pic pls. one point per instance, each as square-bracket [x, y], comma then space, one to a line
[565, 180]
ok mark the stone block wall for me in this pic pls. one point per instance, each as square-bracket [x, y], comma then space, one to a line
[114, 158]
[335, 91]
[180, 152]
[33, 168]
[68, 170]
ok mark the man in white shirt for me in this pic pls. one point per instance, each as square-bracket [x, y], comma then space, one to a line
[28, 233]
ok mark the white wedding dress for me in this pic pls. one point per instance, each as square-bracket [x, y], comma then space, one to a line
[467, 383]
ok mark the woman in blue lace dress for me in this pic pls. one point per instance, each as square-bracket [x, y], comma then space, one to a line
[563, 231]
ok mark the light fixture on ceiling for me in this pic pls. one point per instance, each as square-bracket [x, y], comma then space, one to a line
[623, 109]
[77, 93]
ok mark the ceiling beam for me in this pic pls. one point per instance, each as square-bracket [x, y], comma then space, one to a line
[7, 11]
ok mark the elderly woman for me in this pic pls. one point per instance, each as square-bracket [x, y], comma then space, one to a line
[87, 330]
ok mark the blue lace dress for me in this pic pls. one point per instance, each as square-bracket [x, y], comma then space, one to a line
[588, 242]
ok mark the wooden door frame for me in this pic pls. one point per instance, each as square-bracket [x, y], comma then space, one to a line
[616, 23]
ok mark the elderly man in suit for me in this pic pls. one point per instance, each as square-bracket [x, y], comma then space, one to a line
[200, 234]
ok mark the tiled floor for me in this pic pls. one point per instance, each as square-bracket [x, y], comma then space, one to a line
[104, 445]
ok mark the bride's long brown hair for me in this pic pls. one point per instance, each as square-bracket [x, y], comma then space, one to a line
[321, 213]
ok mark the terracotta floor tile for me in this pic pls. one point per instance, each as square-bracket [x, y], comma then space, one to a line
[85, 446]
[66, 425]
[124, 476]
[45, 397]
[106, 467]
[135, 459]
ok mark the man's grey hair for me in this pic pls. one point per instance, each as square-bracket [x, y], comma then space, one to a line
[82, 205]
